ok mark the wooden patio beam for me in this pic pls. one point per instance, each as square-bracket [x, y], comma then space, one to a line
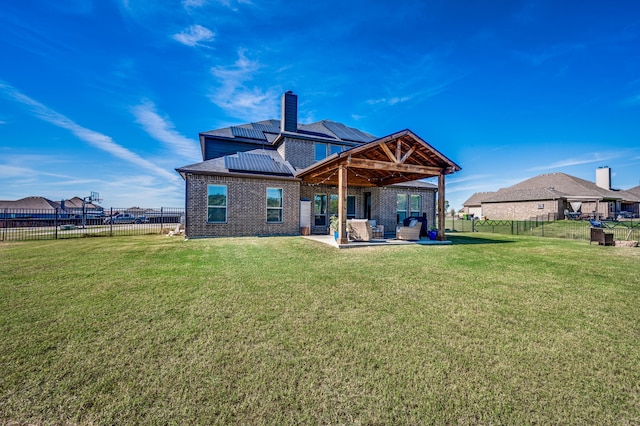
[407, 154]
[362, 163]
[342, 205]
[387, 151]
[441, 212]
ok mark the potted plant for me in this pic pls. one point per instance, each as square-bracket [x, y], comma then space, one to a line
[432, 233]
[334, 225]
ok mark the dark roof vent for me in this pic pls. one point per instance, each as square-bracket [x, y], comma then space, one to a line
[289, 112]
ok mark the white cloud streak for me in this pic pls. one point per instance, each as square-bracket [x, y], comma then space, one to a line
[593, 158]
[93, 138]
[194, 35]
[238, 100]
[163, 130]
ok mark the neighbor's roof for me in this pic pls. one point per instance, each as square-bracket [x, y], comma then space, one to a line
[477, 199]
[635, 191]
[35, 203]
[259, 162]
[552, 186]
[41, 203]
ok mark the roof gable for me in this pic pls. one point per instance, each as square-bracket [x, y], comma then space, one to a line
[396, 158]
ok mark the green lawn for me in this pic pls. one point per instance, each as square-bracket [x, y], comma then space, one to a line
[155, 330]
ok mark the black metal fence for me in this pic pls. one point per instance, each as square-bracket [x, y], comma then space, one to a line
[34, 224]
[548, 226]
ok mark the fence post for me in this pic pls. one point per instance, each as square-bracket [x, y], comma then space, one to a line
[161, 218]
[55, 223]
[111, 222]
[512, 227]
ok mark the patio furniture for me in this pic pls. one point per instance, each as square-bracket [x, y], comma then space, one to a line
[359, 230]
[377, 231]
[410, 232]
[602, 238]
[424, 225]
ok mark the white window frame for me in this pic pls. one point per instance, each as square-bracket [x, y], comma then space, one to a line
[271, 208]
[225, 206]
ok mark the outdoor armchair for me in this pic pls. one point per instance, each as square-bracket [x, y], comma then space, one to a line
[359, 230]
[411, 232]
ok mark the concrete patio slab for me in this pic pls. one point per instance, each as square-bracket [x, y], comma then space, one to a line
[330, 240]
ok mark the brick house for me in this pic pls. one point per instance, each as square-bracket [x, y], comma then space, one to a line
[280, 177]
[556, 196]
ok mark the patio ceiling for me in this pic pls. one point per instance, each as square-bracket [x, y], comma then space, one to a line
[399, 157]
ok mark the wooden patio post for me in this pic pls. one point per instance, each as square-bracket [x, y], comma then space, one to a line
[441, 212]
[342, 205]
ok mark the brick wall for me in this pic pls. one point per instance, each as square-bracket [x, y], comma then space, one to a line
[387, 205]
[246, 207]
[521, 210]
[299, 153]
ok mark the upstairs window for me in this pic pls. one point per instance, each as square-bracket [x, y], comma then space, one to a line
[217, 203]
[320, 151]
[334, 149]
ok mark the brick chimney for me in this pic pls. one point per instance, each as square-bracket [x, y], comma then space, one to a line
[289, 112]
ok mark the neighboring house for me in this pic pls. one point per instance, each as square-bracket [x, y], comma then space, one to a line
[473, 206]
[279, 177]
[557, 195]
[40, 207]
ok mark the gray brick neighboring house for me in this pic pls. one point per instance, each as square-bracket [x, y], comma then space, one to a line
[41, 206]
[558, 196]
[280, 177]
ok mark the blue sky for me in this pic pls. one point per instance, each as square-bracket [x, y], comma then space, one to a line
[110, 96]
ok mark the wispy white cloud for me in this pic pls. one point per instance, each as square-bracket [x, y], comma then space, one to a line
[592, 158]
[164, 131]
[93, 138]
[545, 53]
[233, 95]
[389, 101]
[419, 89]
[634, 100]
[189, 4]
[194, 35]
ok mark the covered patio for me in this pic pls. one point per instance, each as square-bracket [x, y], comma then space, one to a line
[396, 158]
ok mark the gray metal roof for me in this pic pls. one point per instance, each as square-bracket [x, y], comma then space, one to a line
[258, 161]
[264, 130]
[252, 162]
